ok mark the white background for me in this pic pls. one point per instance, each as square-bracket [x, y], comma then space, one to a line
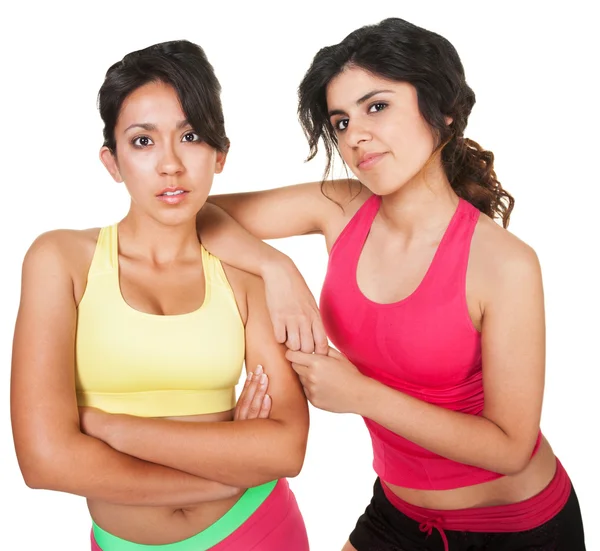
[532, 68]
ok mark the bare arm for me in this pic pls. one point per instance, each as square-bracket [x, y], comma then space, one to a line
[275, 213]
[243, 454]
[52, 452]
[513, 343]
[232, 227]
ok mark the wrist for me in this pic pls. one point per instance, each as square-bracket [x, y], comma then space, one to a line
[274, 263]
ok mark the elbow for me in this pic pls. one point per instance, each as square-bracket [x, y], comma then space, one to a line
[295, 463]
[508, 468]
[38, 467]
[34, 479]
[516, 460]
[288, 464]
[292, 461]
[36, 474]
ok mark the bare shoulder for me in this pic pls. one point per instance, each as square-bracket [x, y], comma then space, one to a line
[344, 197]
[502, 259]
[63, 244]
[69, 251]
[347, 194]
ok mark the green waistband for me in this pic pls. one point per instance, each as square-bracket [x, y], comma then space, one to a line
[236, 516]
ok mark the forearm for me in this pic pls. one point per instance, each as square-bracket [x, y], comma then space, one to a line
[242, 454]
[232, 243]
[90, 468]
[470, 439]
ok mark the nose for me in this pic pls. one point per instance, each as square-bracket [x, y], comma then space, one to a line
[169, 163]
[357, 133]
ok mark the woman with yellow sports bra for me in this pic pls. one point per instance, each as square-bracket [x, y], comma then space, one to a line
[130, 340]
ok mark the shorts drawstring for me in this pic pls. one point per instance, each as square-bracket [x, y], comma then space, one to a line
[428, 525]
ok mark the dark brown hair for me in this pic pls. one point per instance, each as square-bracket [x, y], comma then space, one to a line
[180, 64]
[397, 50]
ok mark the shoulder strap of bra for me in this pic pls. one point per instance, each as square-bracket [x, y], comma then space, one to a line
[356, 230]
[106, 255]
[213, 269]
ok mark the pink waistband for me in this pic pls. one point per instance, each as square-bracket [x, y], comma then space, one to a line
[277, 524]
[514, 517]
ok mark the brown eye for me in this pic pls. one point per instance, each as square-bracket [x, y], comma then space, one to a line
[341, 125]
[142, 141]
[379, 106]
[191, 137]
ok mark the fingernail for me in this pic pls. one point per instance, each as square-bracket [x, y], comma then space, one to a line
[259, 369]
[263, 379]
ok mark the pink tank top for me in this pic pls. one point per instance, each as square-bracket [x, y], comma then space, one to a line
[424, 345]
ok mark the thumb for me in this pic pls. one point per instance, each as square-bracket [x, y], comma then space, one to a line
[335, 354]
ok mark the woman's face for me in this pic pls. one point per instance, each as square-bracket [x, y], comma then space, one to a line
[167, 169]
[381, 134]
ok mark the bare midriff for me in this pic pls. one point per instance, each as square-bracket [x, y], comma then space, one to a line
[501, 491]
[161, 525]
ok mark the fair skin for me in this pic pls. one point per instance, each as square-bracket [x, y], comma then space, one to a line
[388, 145]
[135, 491]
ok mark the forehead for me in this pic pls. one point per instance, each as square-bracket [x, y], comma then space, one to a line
[354, 82]
[154, 103]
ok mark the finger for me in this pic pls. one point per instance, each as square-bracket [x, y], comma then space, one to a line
[300, 369]
[258, 398]
[279, 328]
[305, 383]
[306, 391]
[300, 357]
[333, 353]
[265, 409]
[247, 395]
[320, 337]
[307, 344]
[293, 336]
[242, 397]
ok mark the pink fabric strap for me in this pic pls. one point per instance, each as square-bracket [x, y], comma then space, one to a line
[515, 517]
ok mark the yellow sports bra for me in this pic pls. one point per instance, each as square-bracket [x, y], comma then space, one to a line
[149, 365]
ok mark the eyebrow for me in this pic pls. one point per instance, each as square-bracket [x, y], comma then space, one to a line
[361, 100]
[151, 127]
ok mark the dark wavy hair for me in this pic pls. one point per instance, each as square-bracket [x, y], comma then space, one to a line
[397, 50]
[180, 64]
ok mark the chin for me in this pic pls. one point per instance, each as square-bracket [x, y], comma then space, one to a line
[176, 218]
[384, 188]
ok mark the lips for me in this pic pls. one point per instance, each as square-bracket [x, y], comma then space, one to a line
[172, 195]
[369, 159]
[171, 192]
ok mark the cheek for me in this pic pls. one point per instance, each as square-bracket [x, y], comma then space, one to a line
[345, 151]
[136, 164]
[200, 163]
[414, 143]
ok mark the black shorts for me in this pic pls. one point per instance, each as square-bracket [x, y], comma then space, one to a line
[382, 527]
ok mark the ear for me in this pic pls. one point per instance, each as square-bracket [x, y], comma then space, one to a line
[449, 120]
[110, 162]
[220, 161]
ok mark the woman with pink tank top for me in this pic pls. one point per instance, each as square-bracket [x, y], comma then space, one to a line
[431, 303]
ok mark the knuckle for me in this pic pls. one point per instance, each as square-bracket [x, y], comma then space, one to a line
[307, 347]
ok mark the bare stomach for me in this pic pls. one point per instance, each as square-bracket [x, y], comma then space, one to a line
[502, 491]
[161, 525]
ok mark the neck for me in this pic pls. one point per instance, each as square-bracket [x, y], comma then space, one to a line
[424, 203]
[144, 237]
